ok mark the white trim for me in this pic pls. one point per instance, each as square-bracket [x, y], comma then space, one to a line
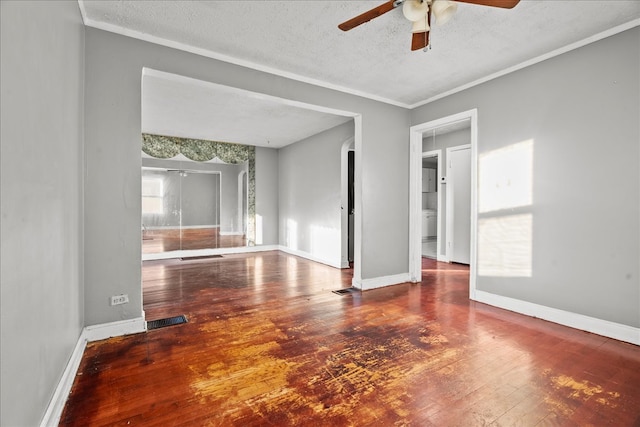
[243, 190]
[473, 257]
[602, 327]
[382, 281]
[115, 329]
[231, 233]
[592, 39]
[415, 205]
[179, 160]
[415, 182]
[89, 333]
[309, 256]
[61, 393]
[357, 200]
[207, 252]
[236, 61]
[218, 200]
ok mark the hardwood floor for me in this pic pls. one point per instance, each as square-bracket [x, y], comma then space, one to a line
[268, 343]
[175, 239]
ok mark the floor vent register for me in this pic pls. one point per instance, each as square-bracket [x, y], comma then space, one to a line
[169, 321]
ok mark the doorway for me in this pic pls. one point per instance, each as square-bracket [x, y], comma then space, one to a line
[421, 132]
[348, 203]
[431, 202]
[243, 204]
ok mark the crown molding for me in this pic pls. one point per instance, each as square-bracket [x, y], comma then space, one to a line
[608, 33]
[229, 59]
[304, 79]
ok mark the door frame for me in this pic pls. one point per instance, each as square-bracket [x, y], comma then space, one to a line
[438, 154]
[415, 183]
[243, 204]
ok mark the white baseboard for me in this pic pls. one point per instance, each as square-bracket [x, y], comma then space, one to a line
[115, 329]
[56, 404]
[231, 233]
[302, 254]
[574, 320]
[209, 252]
[89, 333]
[379, 282]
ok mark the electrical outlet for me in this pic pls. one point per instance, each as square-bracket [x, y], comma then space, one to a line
[119, 299]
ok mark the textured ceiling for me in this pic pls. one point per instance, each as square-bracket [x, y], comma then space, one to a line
[178, 106]
[300, 39]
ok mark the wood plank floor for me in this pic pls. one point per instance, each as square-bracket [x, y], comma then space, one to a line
[268, 343]
[175, 239]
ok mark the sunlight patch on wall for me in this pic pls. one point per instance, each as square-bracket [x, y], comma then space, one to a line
[505, 182]
[325, 243]
[505, 177]
[292, 234]
[505, 246]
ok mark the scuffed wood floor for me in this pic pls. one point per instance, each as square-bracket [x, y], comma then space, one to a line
[268, 343]
[176, 239]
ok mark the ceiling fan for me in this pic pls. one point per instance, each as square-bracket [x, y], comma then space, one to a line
[419, 12]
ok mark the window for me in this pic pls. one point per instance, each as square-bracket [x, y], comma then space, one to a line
[152, 196]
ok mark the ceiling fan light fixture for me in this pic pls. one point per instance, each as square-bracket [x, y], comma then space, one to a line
[420, 26]
[443, 10]
[415, 10]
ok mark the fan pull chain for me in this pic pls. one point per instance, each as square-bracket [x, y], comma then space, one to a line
[427, 47]
[427, 43]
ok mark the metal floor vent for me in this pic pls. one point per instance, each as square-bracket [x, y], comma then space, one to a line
[346, 291]
[192, 258]
[169, 321]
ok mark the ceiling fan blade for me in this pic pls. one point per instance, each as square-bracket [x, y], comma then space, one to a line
[506, 4]
[368, 16]
[420, 40]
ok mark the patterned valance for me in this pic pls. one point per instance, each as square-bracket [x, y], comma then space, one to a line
[199, 150]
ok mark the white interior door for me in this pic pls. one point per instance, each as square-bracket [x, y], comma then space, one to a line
[459, 192]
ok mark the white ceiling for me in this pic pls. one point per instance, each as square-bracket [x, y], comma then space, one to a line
[178, 106]
[300, 39]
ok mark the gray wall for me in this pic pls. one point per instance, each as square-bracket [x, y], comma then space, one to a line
[41, 268]
[581, 111]
[267, 196]
[310, 194]
[442, 142]
[113, 82]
